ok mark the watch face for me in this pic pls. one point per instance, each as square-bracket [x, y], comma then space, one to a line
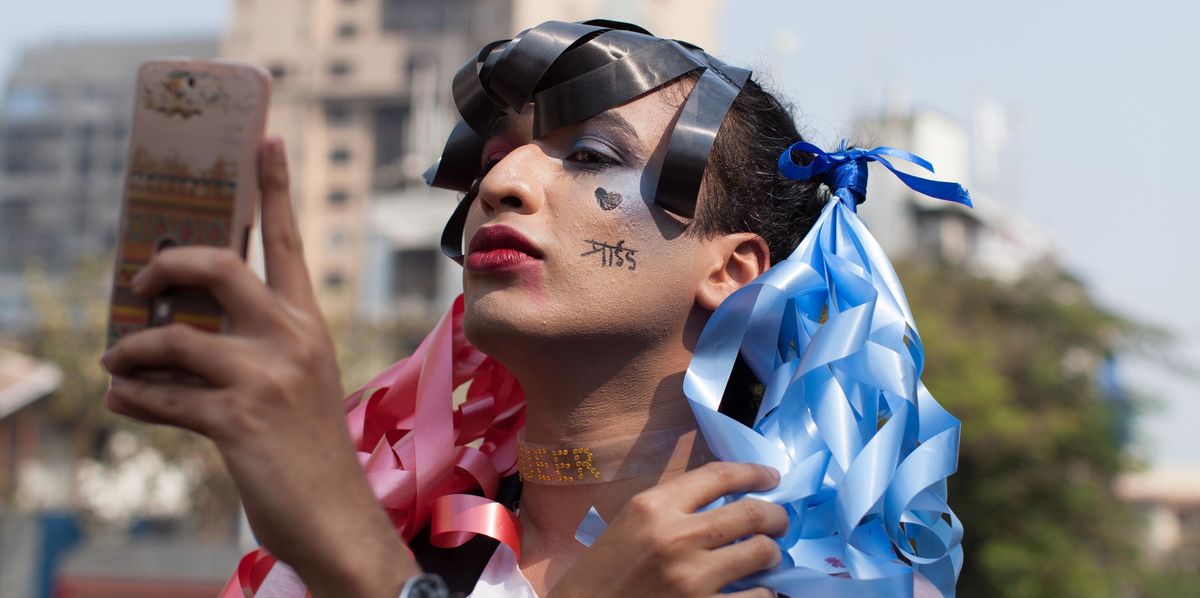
[426, 586]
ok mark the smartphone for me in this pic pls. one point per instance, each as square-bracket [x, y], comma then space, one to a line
[191, 179]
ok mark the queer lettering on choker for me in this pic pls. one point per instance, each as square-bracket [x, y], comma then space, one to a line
[614, 256]
[608, 200]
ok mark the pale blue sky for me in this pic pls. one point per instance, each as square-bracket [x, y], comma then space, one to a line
[1108, 92]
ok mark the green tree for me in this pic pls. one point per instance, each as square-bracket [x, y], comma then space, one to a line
[1020, 365]
[69, 329]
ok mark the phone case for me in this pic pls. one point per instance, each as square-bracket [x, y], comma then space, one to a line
[191, 179]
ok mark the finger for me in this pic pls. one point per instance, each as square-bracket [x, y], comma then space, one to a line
[701, 486]
[733, 562]
[215, 269]
[188, 407]
[751, 593]
[283, 252]
[739, 519]
[129, 410]
[174, 346]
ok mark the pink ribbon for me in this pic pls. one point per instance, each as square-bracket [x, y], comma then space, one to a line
[412, 443]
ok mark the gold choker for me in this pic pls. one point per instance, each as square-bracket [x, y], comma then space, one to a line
[651, 453]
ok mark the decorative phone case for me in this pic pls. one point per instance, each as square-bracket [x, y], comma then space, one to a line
[191, 179]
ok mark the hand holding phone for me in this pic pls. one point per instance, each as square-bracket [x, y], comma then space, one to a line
[191, 179]
[271, 398]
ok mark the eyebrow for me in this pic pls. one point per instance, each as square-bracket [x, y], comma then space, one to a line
[624, 132]
[626, 135]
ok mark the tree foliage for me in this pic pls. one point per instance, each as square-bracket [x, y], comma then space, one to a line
[1021, 366]
[69, 329]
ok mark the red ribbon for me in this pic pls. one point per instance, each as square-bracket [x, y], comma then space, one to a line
[416, 447]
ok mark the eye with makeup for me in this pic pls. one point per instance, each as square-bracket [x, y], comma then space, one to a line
[592, 155]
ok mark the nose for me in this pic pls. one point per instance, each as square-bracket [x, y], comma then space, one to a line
[516, 182]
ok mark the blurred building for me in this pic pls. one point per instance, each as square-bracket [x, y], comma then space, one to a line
[64, 128]
[150, 567]
[362, 96]
[24, 381]
[993, 238]
[1170, 502]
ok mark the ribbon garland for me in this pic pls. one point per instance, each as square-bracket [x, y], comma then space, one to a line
[863, 448]
[422, 477]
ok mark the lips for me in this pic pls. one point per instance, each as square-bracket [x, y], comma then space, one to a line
[500, 247]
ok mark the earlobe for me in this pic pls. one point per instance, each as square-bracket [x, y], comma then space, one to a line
[737, 259]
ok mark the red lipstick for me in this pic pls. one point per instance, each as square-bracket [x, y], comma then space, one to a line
[500, 247]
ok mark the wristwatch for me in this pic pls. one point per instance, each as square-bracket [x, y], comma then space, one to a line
[425, 585]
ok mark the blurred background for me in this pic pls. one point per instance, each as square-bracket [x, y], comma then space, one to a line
[1057, 315]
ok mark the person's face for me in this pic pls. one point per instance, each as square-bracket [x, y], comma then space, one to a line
[601, 262]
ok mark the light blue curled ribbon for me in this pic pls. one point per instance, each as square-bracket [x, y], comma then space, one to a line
[863, 448]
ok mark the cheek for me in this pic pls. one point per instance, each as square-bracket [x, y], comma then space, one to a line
[615, 244]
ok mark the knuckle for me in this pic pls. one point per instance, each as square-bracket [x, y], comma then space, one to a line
[282, 237]
[680, 578]
[754, 512]
[725, 473]
[174, 343]
[114, 403]
[238, 418]
[664, 544]
[272, 383]
[644, 504]
[763, 551]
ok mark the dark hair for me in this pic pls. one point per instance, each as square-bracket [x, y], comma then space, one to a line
[745, 192]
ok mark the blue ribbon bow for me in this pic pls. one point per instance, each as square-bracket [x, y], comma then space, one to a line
[845, 172]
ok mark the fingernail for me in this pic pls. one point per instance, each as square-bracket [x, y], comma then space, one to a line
[104, 358]
[118, 381]
[138, 277]
[774, 473]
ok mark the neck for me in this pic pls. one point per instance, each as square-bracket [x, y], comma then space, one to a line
[582, 402]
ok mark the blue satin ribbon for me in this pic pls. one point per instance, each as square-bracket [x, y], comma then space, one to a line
[845, 172]
[863, 448]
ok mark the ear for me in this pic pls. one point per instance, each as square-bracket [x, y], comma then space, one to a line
[737, 259]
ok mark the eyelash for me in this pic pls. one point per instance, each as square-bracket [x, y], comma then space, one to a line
[591, 159]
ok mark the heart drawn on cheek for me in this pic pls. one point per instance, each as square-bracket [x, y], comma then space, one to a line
[608, 200]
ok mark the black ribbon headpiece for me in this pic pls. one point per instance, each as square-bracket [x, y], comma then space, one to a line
[572, 72]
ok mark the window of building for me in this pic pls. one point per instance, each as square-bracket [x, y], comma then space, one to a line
[338, 114]
[422, 15]
[334, 280]
[414, 274]
[339, 155]
[15, 224]
[391, 124]
[347, 31]
[338, 197]
[340, 68]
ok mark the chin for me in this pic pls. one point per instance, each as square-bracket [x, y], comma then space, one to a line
[498, 324]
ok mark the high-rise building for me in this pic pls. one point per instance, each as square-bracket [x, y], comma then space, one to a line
[64, 129]
[993, 238]
[362, 97]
